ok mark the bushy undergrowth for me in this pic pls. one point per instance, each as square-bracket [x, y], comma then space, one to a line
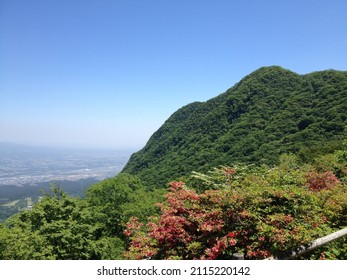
[260, 212]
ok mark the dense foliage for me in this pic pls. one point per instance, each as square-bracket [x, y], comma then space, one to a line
[260, 213]
[270, 112]
[65, 227]
[59, 227]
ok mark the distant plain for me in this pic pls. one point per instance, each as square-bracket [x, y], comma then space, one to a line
[26, 172]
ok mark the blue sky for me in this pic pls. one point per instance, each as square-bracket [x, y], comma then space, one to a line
[108, 73]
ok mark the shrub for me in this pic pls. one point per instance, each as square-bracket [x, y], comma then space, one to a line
[215, 224]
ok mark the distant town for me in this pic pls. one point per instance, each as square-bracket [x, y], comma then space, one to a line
[22, 165]
[75, 175]
[26, 172]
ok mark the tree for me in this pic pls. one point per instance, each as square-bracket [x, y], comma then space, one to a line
[114, 200]
[58, 227]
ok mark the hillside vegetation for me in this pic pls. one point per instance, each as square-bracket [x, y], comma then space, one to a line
[259, 170]
[254, 210]
[270, 112]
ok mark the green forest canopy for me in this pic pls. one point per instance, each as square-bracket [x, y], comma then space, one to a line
[270, 112]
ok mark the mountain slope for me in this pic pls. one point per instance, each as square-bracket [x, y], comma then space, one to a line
[269, 112]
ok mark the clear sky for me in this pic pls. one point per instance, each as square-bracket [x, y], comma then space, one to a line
[108, 73]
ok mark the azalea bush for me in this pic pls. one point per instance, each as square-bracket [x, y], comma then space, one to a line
[319, 181]
[246, 214]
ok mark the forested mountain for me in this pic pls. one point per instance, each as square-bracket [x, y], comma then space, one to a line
[270, 112]
[293, 127]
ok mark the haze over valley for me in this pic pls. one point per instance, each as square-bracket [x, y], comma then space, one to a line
[21, 165]
[27, 170]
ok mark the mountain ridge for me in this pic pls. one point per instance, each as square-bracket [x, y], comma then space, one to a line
[267, 113]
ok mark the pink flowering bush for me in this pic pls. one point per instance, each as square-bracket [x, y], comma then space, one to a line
[257, 221]
[319, 181]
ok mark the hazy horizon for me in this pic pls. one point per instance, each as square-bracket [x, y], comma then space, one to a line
[72, 147]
